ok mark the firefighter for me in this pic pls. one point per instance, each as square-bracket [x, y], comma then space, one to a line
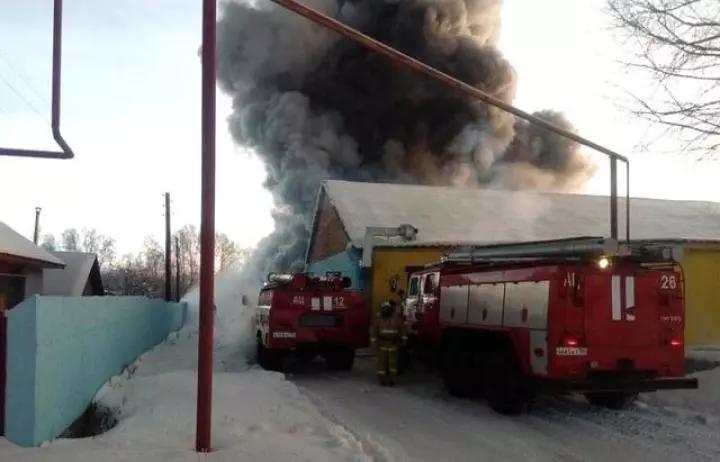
[387, 337]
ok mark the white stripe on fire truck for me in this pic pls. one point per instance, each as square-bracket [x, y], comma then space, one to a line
[629, 296]
[629, 291]
[616, 302]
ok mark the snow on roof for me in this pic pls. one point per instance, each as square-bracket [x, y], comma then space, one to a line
[71, 280]
[461, 215]
[14, 244]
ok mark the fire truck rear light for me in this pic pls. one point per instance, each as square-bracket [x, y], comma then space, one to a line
[570, 341]
[675, 342]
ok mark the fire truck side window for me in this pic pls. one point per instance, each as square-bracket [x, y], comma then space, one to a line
[414, 286]
[429, 286]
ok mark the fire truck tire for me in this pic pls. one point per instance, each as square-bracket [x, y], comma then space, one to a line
[505, 389]
[268, 359]
[455, 376]
[340, 359]
[611, 400]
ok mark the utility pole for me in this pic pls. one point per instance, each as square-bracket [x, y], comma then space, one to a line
[168, 250]
[36, 234]
[177, 269]
[207, 230]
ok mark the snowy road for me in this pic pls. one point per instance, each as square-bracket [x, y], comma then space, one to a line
[419, 421]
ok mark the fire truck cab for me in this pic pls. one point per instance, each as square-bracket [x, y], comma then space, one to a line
[310, 316]
[575, 315]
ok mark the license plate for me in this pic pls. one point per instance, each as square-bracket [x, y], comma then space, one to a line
[571, 351]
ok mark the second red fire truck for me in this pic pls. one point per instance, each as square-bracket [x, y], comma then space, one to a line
[579, 315]
[307, 316]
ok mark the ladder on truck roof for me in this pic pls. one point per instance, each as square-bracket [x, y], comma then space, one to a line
[574, 247]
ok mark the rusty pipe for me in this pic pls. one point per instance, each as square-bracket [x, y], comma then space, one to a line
[66, 152]
[207, 231]
[408, 61]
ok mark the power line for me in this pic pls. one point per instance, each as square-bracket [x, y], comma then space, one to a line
[22, 97]
[24, 78]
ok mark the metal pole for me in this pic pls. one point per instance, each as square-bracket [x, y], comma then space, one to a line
[627, 202]
[613, 199]
[67, 152]
[177, 269]
[207, 231]
[419, 66]
[168, 250]
[36, 234]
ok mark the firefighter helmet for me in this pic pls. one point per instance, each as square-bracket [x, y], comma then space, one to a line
[386, 309]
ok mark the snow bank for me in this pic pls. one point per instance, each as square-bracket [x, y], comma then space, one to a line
[257, 415]
[706, 399]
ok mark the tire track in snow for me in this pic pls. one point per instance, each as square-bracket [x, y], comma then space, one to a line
[374, 450]
[658, 433]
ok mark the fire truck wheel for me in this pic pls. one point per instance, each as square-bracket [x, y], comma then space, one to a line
[340, 359]
[505, 389]
[268, 359]
[455, 375]
[611, 400]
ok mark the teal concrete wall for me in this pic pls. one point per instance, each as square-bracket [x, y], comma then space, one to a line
[61, 350]
[347, 262]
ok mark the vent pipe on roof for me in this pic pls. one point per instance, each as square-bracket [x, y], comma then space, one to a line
[36, 233]
[405, 232]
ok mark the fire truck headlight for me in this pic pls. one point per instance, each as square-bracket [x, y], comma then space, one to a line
[603, 262]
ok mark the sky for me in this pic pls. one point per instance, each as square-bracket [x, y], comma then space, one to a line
[131, 112]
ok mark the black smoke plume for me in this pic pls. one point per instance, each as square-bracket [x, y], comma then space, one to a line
[316, 106]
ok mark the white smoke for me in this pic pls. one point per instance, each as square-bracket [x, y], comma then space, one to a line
[234, 332]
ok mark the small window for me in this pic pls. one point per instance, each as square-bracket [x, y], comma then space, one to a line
[429, 287]
[414, 286]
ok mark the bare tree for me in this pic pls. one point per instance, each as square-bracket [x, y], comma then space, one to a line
[70, 240]
[144, 273]
[677, 44]
[228, 255]
[189, 243]
[49, 243]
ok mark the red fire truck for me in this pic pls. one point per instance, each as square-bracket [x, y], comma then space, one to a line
[310, 316]
[581, 315]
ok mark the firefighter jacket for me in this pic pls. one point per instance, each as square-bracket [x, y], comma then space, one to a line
[388, 331]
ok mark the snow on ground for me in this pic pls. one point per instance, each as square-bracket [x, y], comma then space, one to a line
[707, 398]
[257, 415]
[419, 421]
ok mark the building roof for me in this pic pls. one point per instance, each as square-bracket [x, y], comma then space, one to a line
[449, 215]
[71, 281]
[17, 247]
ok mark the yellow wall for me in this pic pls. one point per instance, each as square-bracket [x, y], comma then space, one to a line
[702, 296]
[391, 262]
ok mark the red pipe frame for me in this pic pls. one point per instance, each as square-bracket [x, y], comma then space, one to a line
[66, 152]
[208, 174]
[422, 68]
[207, 232]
